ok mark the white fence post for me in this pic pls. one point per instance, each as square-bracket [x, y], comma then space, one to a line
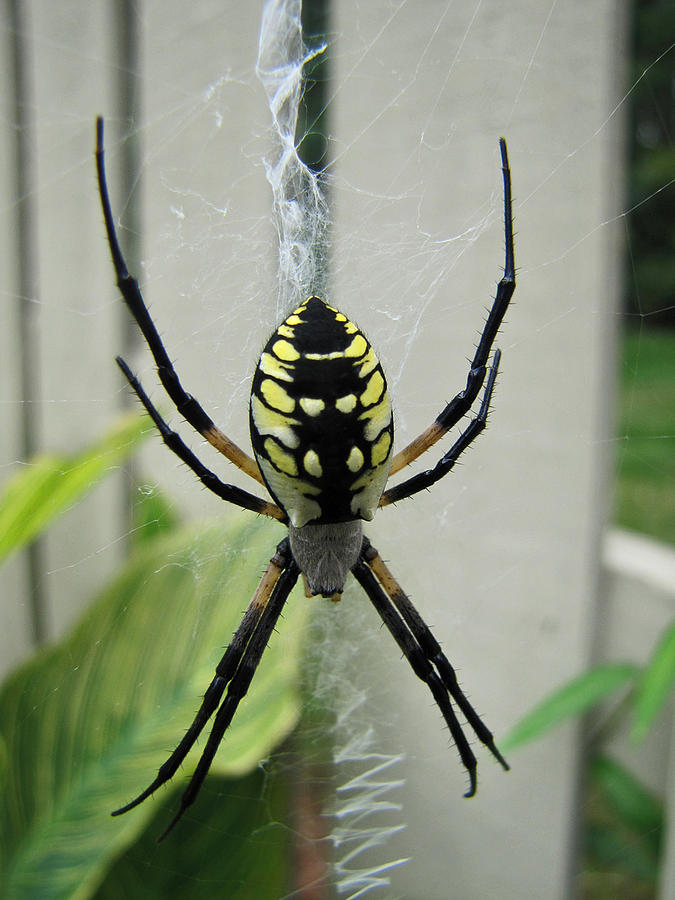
[503, 557]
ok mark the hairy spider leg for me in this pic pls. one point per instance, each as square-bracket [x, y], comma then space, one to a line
[431, 648]
[235, 669]
[239, 686]
[419, 663]
[224, 673]
[185, 403]
[461, 403]
[209, 479]
[425, 479]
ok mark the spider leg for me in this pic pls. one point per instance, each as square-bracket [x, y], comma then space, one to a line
[239, 685]
[186, 404]
[209, 479]
[430, 647]
[419, 664]
[425, 479]
[244, 650]
[461, 403]
[224, 672]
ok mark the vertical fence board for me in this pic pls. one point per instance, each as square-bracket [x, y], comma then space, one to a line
[209, 260]
[74, 72]
[70, 77]
[502, 557]
[16, 631]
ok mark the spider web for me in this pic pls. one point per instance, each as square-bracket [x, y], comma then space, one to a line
[360, 812]
[418, 281]
[415, 243]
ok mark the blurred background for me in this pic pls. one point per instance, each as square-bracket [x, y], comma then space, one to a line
[544, 563]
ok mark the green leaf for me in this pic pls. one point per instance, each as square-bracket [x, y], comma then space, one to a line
[573, 699]
[655, 685]
[153, 515]
[86, 724]
[638, 809]
[610, 850]
[237, 846]
[49, 485]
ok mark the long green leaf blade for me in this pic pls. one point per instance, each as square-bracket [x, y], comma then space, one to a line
[85, 725]
[655, 685]
[49, 485]
[240, 847]
[609, 849]
[573, 699]
[637, 808]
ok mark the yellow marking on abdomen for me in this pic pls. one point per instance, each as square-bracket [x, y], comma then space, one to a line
[283, 461]
[380, 449]
[345, 404]
[373, 390]
[273, 423]
[269, 365]
[334, 354]
[285, 351]
[367, 491]
[376, 418]
[305, 488]
[312, 405]
[312, 464]
[368, 364]
[363, 479]
[276, 396]
[291, 493]
[357, 347]
[355, 460]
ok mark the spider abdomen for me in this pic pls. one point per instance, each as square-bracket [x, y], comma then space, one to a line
[320, 417]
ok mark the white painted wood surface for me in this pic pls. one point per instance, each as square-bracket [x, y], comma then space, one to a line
[503, 557]
[66, 59]
[510, 541]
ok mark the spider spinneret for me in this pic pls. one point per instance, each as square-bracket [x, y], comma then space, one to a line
[322, 435]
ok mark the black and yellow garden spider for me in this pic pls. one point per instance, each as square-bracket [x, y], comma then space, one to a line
[322, 434]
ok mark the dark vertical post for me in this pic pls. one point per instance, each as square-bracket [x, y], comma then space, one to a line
[27, 280]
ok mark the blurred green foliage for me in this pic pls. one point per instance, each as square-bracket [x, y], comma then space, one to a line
[49, 485]
[624, 824]
[645, 483]
[650, 688]
[239, 848]
[86, 723]
[650, 282]
[623, 835]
